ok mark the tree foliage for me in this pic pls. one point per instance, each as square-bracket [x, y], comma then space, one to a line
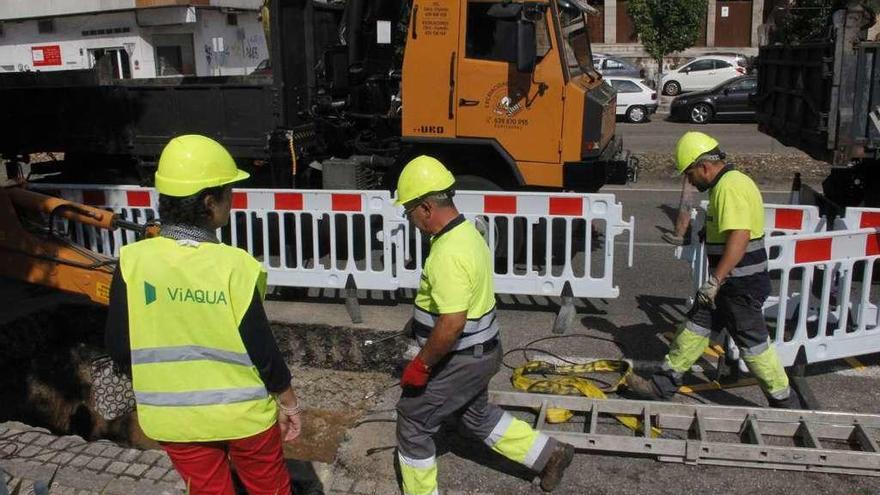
[804, 20]
[667, 26]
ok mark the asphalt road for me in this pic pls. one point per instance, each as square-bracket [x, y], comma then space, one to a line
[660, 135]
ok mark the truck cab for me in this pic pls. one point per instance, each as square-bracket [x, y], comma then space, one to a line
[507, 91]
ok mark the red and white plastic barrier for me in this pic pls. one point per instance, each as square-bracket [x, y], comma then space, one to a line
[359, 239]
[543, 240]
[859, 218]
[823, 294]
[779, 219]
[822, 302]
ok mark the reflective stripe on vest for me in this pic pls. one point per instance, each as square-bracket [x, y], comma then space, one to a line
[192, 376]
[476, 330]
[188, 353]
[753, 261]
[202, 397]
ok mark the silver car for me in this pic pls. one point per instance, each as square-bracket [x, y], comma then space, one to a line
[613, 66]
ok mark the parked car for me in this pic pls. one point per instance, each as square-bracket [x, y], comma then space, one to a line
[728, 99]
[263, 68]
[613, 66]
[701, 73]
[635, 100]
[741, 59]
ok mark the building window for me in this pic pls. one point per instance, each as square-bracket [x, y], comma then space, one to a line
[114, 60]
[174, 54]
[46, 26]
[99, 32]
[232, 19]
[1, 29]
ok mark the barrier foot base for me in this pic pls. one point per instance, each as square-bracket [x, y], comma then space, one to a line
[565, 318]
[351, 301]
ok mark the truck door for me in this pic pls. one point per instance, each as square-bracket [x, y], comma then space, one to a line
[522, 111]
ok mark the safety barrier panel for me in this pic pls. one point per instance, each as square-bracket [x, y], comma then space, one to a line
[821, 303]
[779, 219]
[858, 218]
[541, 241]
[826, 278]
[544, 242]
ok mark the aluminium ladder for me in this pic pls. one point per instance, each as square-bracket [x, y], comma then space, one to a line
[800, 440]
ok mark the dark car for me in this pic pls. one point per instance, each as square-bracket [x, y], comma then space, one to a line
[729, 99]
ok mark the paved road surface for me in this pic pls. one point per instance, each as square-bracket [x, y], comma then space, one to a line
[659, 135]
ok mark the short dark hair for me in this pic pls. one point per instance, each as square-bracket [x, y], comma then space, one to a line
[188, 210]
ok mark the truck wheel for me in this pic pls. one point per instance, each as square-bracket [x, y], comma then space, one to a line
[637, 114]
[701, 113]
[500, 226]
[671, 88]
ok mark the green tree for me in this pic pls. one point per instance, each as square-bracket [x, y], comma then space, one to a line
[805, 20]
[667, 26]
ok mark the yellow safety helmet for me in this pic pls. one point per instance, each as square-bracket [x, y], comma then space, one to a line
[423, 175]
[692, 146]
[191, 163]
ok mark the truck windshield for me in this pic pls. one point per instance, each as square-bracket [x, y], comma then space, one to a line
[576, 40]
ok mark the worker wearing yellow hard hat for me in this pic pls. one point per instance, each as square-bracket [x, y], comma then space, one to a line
[192, 163]
[186, 316]
[455, 325]
[733, 296]
[421, 176]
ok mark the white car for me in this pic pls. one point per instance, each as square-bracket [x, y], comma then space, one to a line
[635, 100]
[702, 73]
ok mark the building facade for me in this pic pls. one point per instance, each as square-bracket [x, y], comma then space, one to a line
[138, 38]
[729, 26]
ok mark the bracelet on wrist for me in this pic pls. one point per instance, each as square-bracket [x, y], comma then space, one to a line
[289, 411]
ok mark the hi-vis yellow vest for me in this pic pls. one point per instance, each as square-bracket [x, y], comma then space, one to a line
[192, 376]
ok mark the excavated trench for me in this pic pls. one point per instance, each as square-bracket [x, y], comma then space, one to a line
[45, 377]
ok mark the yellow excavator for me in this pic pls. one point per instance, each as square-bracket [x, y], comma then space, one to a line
[33, 249]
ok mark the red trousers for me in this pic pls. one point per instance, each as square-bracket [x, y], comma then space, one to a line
[258, 460]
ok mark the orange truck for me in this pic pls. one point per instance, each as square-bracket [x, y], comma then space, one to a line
[504, 92]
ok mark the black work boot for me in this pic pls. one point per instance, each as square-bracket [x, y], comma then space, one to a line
[658, 387]
[790, 402]
[552, 473]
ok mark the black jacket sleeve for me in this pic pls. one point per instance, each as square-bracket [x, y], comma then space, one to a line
[116, 339]
[261, 347]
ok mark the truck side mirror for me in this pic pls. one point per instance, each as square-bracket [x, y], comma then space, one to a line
[526, 46]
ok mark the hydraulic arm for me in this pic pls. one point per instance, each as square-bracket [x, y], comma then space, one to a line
[33, 250]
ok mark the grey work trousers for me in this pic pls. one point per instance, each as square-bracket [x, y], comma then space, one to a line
[459, 386]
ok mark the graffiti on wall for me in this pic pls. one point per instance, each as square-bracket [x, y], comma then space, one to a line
[215, 57]
[246, 47]
[242, 47]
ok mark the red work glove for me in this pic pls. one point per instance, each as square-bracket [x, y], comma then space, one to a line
[415, 374]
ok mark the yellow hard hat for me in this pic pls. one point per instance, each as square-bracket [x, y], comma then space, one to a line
[691, 146]
[191, 163]
[423, 175]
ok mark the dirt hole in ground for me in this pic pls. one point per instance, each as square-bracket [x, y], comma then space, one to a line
[45, 377]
